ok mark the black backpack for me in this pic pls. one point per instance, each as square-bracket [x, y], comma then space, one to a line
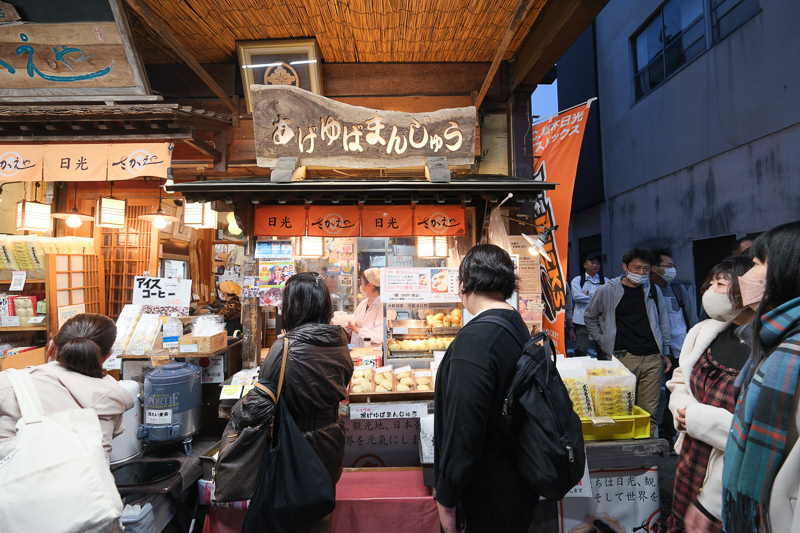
[548, 445]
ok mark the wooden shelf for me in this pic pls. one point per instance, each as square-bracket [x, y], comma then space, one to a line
[23, 328]
[30, 280]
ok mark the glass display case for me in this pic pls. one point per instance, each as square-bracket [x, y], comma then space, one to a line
[419, 332]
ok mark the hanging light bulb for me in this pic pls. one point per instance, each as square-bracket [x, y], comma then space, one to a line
[74, 221]
[159, 222]
[73, 218]
[159, 219]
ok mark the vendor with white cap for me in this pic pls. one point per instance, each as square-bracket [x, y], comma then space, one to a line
[367, 323]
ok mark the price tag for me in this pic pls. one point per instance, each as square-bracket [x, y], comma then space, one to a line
[116, 351]
[400, 331]
[188, 348]
[10, 321]
[36, 320]
[112, 363]
[138, 350]
[158, 416]
[230, 392]
[18, 280]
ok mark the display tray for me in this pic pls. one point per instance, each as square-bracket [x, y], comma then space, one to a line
[446, 331]
[419, 324]
[406, 332]
[411, 396]
[635, 426]
[398, 354]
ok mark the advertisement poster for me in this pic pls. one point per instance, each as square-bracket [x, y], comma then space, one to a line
[623, 500]
[419, 285]
[444, 285]
[274, 250]
[274, 273]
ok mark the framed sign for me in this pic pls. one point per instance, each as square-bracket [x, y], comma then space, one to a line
[280, 62]
[62, 51]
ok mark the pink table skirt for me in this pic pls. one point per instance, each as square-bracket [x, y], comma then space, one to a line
[385, 500]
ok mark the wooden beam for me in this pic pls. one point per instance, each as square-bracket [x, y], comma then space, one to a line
[202, 146]
[163, 32]
[107, 135]
[516, 20]
[221, 144]
[555, 30]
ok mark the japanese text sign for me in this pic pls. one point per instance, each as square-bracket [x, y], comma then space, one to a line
[273, 250]
[291, 122]
[419, 285]
[283, 221]
[387, 410]
[439, 220]
[162, 292]
[386, 221]
[334, 221]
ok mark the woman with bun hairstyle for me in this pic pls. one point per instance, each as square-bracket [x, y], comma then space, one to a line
[74, 378]
[761, 476]
[702, 399]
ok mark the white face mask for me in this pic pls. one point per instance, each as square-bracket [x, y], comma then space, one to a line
[719, 306]
[638, 279]
[669, 274]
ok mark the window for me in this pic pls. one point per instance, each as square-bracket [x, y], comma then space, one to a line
[677, 34]
[727, 15]
[673, 38]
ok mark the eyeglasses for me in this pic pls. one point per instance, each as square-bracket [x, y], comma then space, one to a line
[666, 265]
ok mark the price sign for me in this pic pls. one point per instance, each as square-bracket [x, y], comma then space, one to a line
[36, 320]
[18, 278]
[163, 292]
[188, 348]
[9, 321]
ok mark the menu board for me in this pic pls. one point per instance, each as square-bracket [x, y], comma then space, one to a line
[419, 285]
[530, 285]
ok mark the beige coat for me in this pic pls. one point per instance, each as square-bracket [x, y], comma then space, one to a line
[60, 389]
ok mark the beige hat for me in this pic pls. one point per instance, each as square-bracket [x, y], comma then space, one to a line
[373, 275]
[230, 287]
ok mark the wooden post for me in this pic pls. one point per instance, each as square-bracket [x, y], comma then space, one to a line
[520, 143]
[251, 332]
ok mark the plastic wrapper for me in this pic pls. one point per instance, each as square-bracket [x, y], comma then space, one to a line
[363, 379]
[384, 379]
[497, 230]
[144, 336]
[126, 325]
[7, 258]
[614, 395]
[577, 382]
[423, 380]
[208, 325]
[403, 379]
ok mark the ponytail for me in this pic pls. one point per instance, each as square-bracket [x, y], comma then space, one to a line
[83, 341]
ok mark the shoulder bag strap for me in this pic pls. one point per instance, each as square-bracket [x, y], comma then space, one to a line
[30, 406]
[505, 324]
[283, 368]
[267, 391]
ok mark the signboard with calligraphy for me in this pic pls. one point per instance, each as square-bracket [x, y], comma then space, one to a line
[439, 220]
[283, 221]
[162, 295]
[386, 221]
[61, 51]
[292, 122]
[333, 221]
[83, 162]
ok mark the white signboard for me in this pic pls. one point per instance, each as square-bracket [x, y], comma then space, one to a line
[162, 292]
[419, 285]
[212, 367]
[18, 280]
[387, 410]
[158, 416]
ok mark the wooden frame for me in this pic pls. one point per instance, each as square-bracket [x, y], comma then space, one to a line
[89, 84]
[293, 62]
[180, 231]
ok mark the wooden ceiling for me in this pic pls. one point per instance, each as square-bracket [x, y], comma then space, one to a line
[347, 31]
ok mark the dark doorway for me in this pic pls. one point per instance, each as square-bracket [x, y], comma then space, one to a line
[707, 253]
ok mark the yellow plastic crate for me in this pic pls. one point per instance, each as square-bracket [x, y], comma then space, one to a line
[635, 426]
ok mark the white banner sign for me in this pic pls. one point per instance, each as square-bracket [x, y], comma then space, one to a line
[162, 292]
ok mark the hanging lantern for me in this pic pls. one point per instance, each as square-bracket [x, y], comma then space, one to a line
[199, 215]
[432, 246]
[33, 216]
[110, 212]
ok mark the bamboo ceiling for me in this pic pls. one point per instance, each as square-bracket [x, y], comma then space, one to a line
[347, 31]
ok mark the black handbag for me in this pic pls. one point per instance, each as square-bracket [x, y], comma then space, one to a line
[294, 488]
[243, 444]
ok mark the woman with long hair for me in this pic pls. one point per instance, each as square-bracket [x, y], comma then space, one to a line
[761, 477]
[74, 378]
[318, 370]
[702, 401]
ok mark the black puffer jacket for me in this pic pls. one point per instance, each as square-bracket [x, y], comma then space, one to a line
[318, 369]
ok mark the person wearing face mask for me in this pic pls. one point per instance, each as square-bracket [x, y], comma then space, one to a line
[761, 473]
[367, 323]
[702, 399]
[628, 318]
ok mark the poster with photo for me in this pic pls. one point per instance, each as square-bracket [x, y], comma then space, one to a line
[444, 285]
[274, 273]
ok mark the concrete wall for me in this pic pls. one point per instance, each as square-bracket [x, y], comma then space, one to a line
[712, 151]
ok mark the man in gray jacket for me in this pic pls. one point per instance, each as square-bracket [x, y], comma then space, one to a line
[628, 318]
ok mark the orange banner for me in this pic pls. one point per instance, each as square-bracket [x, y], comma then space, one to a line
[388, 221]
[83, 162]
[23, 162]
[333, 221]
[556, 147]
[439, 220]
[283, 221]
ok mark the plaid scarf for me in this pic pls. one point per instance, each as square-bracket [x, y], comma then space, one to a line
[757, 446]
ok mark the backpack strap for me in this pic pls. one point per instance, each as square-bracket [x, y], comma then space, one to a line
[30, 405]
[504, 323]
[677, 290]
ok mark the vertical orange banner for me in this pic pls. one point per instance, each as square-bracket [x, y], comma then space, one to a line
[21, 162]
[386, 221]
[556, 147]
[439, 220]
[283, 221]
[333, 221]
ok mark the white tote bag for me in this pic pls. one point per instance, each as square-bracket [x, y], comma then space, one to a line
[54, 476]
